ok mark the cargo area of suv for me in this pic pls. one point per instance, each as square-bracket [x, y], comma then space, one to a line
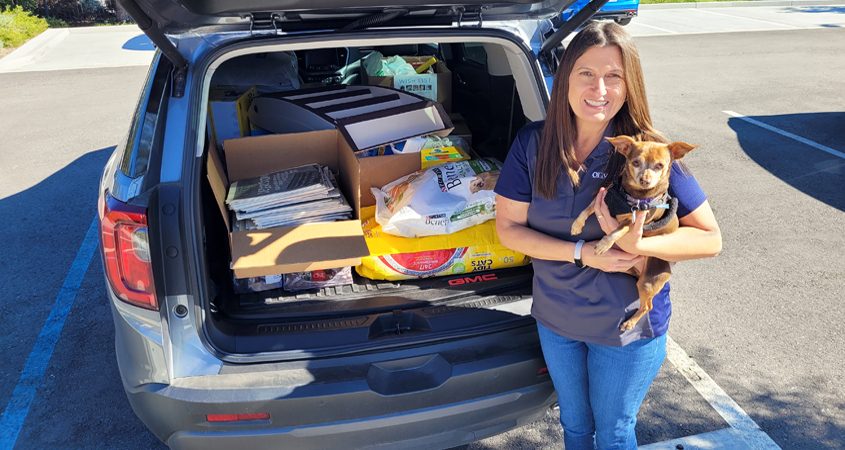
[372, 313]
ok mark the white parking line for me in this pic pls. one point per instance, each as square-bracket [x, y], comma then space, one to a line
[724, 439]
[709, 11]
[720, 401]
[783, 133]
[641, 24]
[24, 393]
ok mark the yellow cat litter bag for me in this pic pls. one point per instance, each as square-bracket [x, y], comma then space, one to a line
[394, 258]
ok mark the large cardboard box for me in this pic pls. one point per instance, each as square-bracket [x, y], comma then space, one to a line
[312, 246]
[435, 86]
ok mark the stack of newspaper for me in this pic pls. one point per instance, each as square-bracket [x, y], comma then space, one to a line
[294, 196]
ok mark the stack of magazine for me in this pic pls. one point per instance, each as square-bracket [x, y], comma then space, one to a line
[294, 196]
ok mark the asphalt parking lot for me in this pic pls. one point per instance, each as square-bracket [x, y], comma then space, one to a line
[762, 321]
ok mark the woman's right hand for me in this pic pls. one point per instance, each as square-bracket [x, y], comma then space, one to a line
[613, 260]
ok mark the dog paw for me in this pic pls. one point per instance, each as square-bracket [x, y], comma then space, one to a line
[627, 325]
[603, 246]
[576, 229]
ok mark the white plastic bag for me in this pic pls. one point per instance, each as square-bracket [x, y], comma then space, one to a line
[439, 200]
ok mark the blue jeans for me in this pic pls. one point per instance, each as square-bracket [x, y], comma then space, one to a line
[600, 388]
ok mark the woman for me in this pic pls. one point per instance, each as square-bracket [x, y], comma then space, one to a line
[553, 171]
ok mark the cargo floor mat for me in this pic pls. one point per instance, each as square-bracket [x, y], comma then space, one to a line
[367, 295]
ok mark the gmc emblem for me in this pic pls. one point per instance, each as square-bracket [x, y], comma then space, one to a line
[475, 279]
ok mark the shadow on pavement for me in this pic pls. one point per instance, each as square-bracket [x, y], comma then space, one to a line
[812, 171]
[140, 43]
[806, 416]
[799, 416]
[80, 402]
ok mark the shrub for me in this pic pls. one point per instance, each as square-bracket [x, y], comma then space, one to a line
[18, 26]
[75, 11]
[56, 23]
[27, 5]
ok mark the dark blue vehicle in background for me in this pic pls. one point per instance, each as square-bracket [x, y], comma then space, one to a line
[620, 11]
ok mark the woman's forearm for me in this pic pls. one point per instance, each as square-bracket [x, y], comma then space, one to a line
[683, 244]
[534, 243]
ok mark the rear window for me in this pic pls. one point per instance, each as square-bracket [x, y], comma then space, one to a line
[147, 124]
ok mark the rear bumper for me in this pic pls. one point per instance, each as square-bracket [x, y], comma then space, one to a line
[621, 14]
[438, 396]
[432, 428]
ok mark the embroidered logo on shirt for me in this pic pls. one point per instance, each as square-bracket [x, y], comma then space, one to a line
[601, 175]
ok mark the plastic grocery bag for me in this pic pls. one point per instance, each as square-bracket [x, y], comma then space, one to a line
[377, 65]
[439, 200]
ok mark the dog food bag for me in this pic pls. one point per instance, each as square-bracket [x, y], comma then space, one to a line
[395, 258]
[439, 200]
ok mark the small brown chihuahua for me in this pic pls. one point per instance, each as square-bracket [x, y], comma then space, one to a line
[643, 188]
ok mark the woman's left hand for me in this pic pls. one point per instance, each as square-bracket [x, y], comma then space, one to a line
[631, 241]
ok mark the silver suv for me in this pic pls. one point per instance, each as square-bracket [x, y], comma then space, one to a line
[426, 363]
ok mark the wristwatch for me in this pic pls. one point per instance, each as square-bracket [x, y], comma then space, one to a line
[578, 245]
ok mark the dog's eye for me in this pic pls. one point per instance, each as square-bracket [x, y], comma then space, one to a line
[658, 166]
[635, 163]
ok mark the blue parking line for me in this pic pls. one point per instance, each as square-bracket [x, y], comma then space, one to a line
[36, 364]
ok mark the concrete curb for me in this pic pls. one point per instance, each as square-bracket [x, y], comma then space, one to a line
[744, 3]
[34, 48]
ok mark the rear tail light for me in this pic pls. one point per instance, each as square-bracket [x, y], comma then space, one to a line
[126, 252]
[237, 417]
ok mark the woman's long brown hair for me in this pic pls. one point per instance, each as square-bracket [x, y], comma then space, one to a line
[559, 135]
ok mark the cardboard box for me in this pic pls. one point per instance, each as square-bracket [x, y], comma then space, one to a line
[312, 246]
[368, 116]
[436, 86]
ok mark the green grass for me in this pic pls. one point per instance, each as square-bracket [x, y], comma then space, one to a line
[18, 26]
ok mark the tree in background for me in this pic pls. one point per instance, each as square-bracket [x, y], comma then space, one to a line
[75, 12]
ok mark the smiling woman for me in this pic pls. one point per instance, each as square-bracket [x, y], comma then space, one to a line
[601, 371]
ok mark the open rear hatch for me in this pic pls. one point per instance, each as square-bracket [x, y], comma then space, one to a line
[160, 18]
[172, 17]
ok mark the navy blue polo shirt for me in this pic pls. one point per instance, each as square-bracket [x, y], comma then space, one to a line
[585, 304]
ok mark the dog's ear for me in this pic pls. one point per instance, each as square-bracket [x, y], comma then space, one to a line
[623, 144]
[679, 149]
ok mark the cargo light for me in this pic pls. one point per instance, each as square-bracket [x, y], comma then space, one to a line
[126, 251]
[237, 417]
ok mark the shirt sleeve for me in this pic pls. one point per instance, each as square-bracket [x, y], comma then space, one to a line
[684, 187]
[514, 180]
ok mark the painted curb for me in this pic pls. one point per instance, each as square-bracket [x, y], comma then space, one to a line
[743, 4]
